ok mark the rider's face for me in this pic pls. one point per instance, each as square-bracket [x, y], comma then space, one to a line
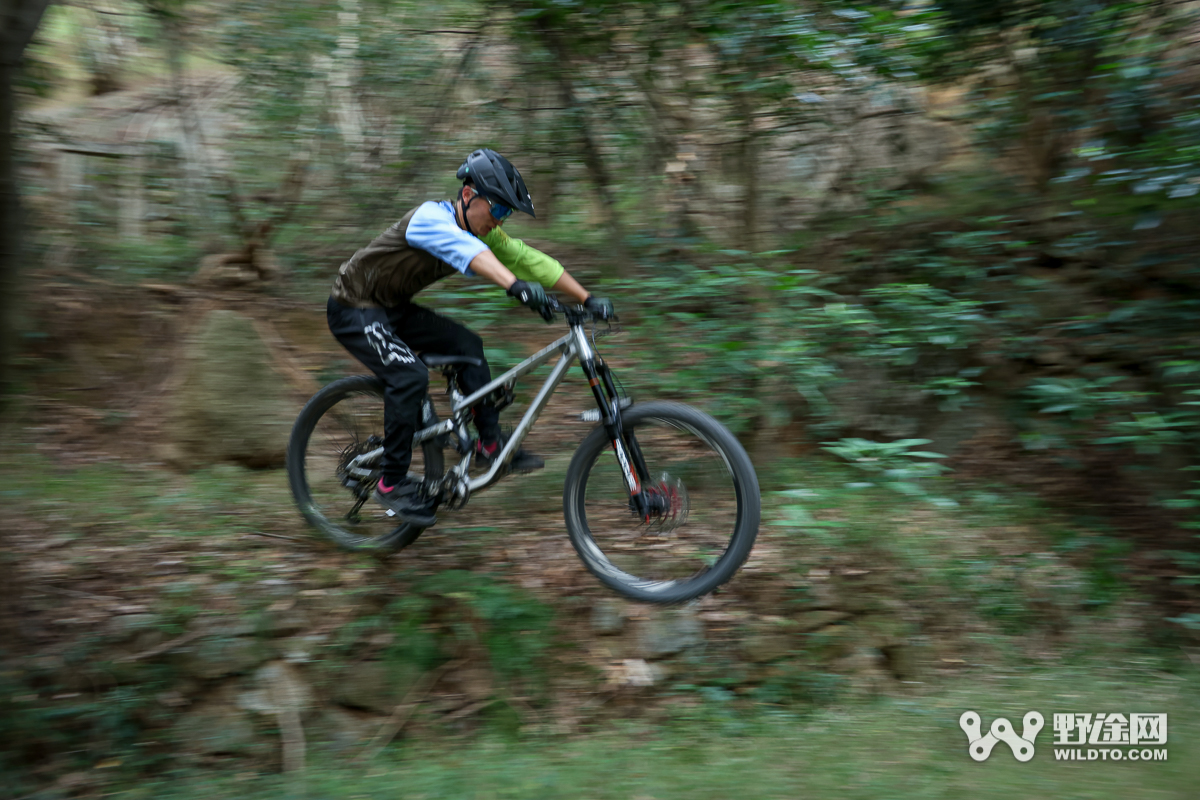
[479, 214]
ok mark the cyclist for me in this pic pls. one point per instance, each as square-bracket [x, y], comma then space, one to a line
[371, 311]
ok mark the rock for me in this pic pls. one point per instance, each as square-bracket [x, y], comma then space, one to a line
[812, 620]
[633, 672]
[832, 642]
[123, 627]
[863, 593]
[136, 632]
[277, 686]
[216, 725]
[766, 646]
[883, 630]
[232, 405]
[236, 270]
[669, 631]
[373, 685]
[822, 589]
[608, 616]
[343, 730]
[215, 656]
[283, 619]
[770, 639]
[865, 667]
[299, 649]
[909, 661]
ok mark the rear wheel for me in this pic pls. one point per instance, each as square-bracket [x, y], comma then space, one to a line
[703, 498]
[331, 480]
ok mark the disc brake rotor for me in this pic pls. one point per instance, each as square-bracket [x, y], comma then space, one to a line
[667, 502]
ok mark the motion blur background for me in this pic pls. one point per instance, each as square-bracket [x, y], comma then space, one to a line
[933, 262]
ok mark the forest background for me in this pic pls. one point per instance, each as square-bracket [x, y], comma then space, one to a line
[857, 233]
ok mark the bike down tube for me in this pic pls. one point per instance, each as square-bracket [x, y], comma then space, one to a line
[531, 414]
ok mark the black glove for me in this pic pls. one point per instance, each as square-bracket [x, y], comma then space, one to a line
[530, 294]
[599, 307]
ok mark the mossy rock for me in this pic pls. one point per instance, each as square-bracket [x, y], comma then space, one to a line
[231, 404]
[373, 685]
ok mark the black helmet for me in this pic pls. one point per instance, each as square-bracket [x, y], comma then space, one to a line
[493, 175]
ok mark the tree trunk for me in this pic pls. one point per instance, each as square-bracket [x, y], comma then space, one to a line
[18, 20]
[592, 158]
[195, 194]
[748, 165]
[417, 164]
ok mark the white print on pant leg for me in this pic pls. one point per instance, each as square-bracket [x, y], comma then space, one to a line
[385, 343]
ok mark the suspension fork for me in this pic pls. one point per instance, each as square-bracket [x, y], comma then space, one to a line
[625, 446]
[630, 439]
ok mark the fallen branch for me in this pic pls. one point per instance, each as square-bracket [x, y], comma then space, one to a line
[407, 706]
[163, 648]
[275, 536]
[468, 710]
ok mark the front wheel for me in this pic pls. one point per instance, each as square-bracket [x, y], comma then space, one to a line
[703, 498]
[334, 462]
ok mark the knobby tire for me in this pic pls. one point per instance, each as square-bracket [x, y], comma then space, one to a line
[325, 513]
[728, 532]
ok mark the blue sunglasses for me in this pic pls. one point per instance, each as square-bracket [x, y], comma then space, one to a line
[499, 210]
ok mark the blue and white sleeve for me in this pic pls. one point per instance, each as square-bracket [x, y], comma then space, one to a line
[433, 229]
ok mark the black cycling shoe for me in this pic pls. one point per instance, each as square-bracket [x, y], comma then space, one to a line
[522, 460]
[405, 501]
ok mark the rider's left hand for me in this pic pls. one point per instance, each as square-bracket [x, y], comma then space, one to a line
[599, 307]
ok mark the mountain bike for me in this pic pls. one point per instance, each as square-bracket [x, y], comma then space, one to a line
[660, 500]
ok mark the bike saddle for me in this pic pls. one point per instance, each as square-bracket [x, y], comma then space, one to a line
[433, 360]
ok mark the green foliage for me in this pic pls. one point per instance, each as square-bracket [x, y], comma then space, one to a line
[514, 627]
[760, 332]
[911, 317]
[894, 464]
[1079, 398]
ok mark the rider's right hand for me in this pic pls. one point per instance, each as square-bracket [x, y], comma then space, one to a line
[531, 295]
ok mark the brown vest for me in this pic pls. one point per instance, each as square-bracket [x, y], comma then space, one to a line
[388, 271]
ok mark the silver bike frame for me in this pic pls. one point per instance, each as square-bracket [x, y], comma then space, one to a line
[573, 345]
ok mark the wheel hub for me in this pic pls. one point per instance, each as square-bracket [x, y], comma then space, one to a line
[667, 504]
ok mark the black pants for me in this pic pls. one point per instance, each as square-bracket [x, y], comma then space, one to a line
[380, 338]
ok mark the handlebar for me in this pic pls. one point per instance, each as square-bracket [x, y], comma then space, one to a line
[575, 313]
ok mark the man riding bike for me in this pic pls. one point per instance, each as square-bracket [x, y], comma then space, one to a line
[371, 312]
